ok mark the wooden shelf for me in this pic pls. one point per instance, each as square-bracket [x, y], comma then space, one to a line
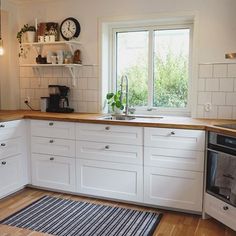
[52, 43]
[51, 65]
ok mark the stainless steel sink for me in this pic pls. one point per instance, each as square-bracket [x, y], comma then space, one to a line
[129, 117]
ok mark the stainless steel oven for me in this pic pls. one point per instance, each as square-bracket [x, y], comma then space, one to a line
[221, 167]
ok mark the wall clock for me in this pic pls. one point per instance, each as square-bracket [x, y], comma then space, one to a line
[70, 28]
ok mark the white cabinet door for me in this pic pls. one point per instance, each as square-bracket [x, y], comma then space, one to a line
[174, 158]
[110, 133]
[11, 175]
[110, 152]
[173, 188]
[53, 146]
[11, 129]
[11, 147]
[55, 129]
[53, 172]
[110, 180]
[175, 138]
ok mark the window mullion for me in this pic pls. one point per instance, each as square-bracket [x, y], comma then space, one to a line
[150, 67]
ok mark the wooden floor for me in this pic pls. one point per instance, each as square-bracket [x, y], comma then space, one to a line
[172, 223]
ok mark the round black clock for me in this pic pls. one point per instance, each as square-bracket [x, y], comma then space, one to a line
[70, 28]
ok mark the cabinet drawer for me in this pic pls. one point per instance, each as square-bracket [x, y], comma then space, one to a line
[55, 129]
[110, 152]
[11, 129]
[111, 180]
[174, 158]
[11, 174]
[109, 133]
[175, 138]
[53, 172]
[53, 146]
[10, 147]
[173, 188]
[220, 210]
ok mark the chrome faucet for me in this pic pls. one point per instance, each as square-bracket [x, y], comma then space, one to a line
[124, 77]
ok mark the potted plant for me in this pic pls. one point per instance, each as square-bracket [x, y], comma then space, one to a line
[116, 102]
[29, 32]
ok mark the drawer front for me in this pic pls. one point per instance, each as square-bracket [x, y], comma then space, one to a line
[174, 158]
[110, 152]
[173, 188]
[53, 172]
[10, 147]
[11, 129]
[11, 174]
[110, 180]
[175, 138]
[53, 146]
[110, 133]
[220, 210]
[55, 129]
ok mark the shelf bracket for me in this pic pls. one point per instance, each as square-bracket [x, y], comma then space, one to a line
[38, 49]
[72, 73]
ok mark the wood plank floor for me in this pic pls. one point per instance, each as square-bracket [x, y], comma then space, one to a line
[172, 223]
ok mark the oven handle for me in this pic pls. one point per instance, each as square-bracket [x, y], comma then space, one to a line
[212, 150]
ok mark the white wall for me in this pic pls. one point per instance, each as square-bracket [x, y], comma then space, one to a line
[217, 29]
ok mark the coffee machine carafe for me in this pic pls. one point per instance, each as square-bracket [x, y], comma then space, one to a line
[58, 99]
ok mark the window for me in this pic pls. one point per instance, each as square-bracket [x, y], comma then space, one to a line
[157, 62]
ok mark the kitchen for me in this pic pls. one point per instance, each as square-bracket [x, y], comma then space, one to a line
[141, 139]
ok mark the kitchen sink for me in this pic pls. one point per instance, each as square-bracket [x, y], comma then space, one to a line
[129, 117]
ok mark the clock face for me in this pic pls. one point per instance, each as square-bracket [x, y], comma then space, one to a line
[70, 28]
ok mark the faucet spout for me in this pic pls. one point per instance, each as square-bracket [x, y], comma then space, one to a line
[125, 78]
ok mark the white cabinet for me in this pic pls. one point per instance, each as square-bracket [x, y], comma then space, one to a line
[173, 168]
[173, 188]
[53, 172]
[112, 180]
[11, 174]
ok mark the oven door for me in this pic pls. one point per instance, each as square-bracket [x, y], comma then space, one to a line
[221, 176]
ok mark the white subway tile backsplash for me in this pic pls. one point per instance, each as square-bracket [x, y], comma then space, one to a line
[234, 112]
[93, 83]
[25, 82]
[200, 111]
[225, 112]
[226, 84]
[205, 71]
[212, 85]
[212, 113]
[92, 107]
[204, 97]
[218, 98]
[231, 99]
[220, 70]
[82, 83]
[82, 107]
[231, 70]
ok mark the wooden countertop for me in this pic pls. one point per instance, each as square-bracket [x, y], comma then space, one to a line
[165, 122]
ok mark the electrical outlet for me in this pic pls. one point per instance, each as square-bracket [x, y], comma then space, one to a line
[208, 106]
[27, 99]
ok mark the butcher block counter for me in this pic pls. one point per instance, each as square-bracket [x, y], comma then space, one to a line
[163, 122]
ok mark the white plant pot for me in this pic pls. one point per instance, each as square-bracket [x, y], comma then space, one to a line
[30, 36]
[117, 111]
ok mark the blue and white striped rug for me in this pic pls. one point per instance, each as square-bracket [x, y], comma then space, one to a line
[65, 217]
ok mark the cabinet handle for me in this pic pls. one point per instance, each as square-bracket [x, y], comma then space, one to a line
[51, 124]
[51, 158]
[51, 141]
[107, 147]
[2, 126]
[4, 162]
[3, 144]
[225, 208]
[172, 132]
[107, 128]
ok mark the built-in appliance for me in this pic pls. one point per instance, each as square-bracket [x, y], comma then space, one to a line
[221, 167]
[58, 99]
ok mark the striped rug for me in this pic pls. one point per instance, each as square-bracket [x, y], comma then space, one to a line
[65, 217]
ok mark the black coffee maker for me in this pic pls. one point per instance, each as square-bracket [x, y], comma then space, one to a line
[58, 99]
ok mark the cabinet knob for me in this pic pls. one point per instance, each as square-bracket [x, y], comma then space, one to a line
[51, 141]
[2, 126]
[3, 144]
[107, 147]
[225, 208]
[107, 128]
[4, 162]
[51, 123]
[51, 158]
[172, 132]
